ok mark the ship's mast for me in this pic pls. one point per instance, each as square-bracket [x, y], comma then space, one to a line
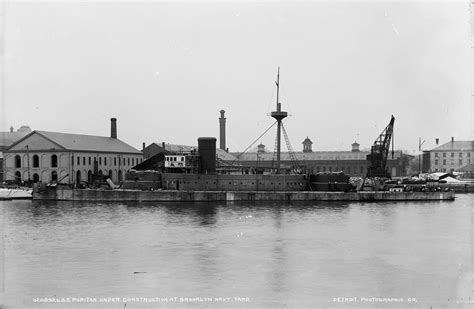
[279, 116]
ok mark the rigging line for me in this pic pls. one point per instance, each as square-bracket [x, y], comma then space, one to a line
[287, 101]
[270, 102]
[238, 156]
[294, 160]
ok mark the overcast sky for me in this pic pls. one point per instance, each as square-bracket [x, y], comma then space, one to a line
[166, 69]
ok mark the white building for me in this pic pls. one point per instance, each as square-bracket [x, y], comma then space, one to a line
[451, 156]
[69, 158]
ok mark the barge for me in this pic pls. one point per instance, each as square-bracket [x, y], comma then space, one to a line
[62, 193]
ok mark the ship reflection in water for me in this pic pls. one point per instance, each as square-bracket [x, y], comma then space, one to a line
[265, 255]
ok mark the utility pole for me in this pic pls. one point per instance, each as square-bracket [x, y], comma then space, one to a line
[420, 143]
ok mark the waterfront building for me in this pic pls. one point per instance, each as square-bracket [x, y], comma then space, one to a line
[156, 148]
[449, 157]
[69, 158]
[352, 163]
[7, 139]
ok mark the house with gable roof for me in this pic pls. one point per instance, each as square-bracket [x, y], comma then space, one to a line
[450, 156]
[69, 158]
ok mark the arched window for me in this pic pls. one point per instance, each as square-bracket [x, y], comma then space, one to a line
[110, 174]
[36, 177]
[89, 176]
[17, 161]
[119, 175]
[54, 161]
[36, 161]
[78, 176]
[18, 176]
[54, 176]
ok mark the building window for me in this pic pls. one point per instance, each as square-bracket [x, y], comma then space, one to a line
[100, 160]
[436, 154]
[36, 161]
[452, 154]
[436, 162]
[17, 161]
[35, 177]
[115, 161]
[444, 154]
[72, 160]
[54, 161]
[17, 176]
[89, 160]
[133, 161]
[78, 160]
[468, 154]
[468, 161]
[444, 161]
[460, 154]
[54, 176]
[83, 160]
[128, 159]
[460, 161]
[105, 161]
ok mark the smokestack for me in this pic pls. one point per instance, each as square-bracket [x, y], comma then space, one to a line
[113, 127]
[452, 139]
[222, 130]
[437, 141]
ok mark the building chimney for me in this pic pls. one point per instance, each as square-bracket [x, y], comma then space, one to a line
[113, 127]
[222, 130]
[452, 139]
[143, 145]
[163, 145]
[437, 141]
[11, 129]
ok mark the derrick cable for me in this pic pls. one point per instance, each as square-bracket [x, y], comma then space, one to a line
[238, 156]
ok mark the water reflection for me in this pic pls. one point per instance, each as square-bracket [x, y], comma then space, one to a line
[298, 254]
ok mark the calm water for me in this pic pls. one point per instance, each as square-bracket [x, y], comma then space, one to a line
[253, 256]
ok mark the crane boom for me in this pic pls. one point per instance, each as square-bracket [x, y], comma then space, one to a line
[379, 153]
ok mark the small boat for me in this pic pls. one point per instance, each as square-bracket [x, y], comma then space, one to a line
[16, 193]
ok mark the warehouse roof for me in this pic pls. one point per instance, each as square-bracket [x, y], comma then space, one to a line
[78, 142]
[313, 156]
[456, 145]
